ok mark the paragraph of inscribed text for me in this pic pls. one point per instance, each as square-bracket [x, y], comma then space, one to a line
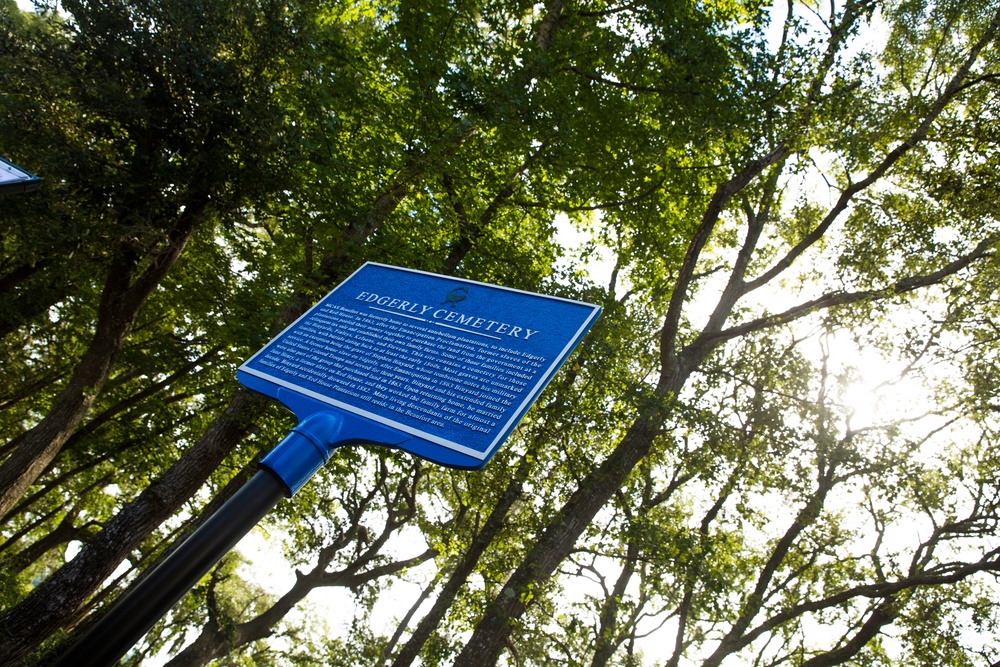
[438, 378]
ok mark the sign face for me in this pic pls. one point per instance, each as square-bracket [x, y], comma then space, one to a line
[453, 364]
[13, 179]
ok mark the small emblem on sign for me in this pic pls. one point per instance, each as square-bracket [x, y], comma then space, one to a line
[455, 295]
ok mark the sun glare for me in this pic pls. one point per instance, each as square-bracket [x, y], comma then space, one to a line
[873, 389]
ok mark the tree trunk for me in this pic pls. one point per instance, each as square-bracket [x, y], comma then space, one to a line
[429, 623]
[121, 300]
[35, 449]
[57, 599]
[555, 544]
[607, 636]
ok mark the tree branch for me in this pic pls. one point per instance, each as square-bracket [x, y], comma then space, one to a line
[834, 299]
[956, 85]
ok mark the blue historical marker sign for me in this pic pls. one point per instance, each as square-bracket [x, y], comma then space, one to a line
[441, 367]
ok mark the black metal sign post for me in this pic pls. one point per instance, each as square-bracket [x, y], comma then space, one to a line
[440, 367]
[111, 636]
